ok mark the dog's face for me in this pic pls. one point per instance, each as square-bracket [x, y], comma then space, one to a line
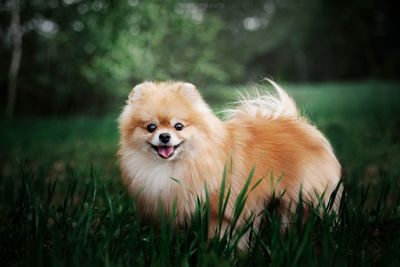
[163, 137]
[164, 120]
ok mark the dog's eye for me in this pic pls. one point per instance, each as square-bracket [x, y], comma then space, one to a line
[151, 127]
[178, 126]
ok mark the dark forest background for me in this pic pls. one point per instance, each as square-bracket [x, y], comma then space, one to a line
[81, 56]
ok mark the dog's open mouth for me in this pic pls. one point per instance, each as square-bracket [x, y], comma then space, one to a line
[165, 151]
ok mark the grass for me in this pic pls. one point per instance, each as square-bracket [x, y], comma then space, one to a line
[62, 203]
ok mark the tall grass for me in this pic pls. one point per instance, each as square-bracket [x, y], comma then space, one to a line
[89, 226]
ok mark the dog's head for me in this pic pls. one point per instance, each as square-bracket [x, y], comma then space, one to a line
[165, 120]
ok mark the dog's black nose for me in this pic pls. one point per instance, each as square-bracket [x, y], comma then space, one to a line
[164, 137]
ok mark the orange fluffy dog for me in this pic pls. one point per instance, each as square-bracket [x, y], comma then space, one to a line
[169, 133]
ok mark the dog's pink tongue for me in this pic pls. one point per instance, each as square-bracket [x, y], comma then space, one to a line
[165, 151]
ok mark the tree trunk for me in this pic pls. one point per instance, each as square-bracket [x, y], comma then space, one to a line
[16, 33]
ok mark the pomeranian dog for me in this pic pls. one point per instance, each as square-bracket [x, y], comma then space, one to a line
[172, 147]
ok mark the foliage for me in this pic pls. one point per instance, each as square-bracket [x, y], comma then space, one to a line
[95, 51]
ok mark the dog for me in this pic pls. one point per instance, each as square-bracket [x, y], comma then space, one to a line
[174, 150]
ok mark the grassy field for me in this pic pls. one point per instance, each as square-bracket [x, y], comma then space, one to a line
[62, 203]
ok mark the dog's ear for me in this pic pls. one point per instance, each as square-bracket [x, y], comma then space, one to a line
[190, 91]
[137, 91]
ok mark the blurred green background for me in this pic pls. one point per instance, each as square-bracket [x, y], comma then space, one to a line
[81, 56]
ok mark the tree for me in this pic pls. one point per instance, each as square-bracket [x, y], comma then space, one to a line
[16, 33]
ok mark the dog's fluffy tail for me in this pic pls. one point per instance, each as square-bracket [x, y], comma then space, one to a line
[266, 104]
